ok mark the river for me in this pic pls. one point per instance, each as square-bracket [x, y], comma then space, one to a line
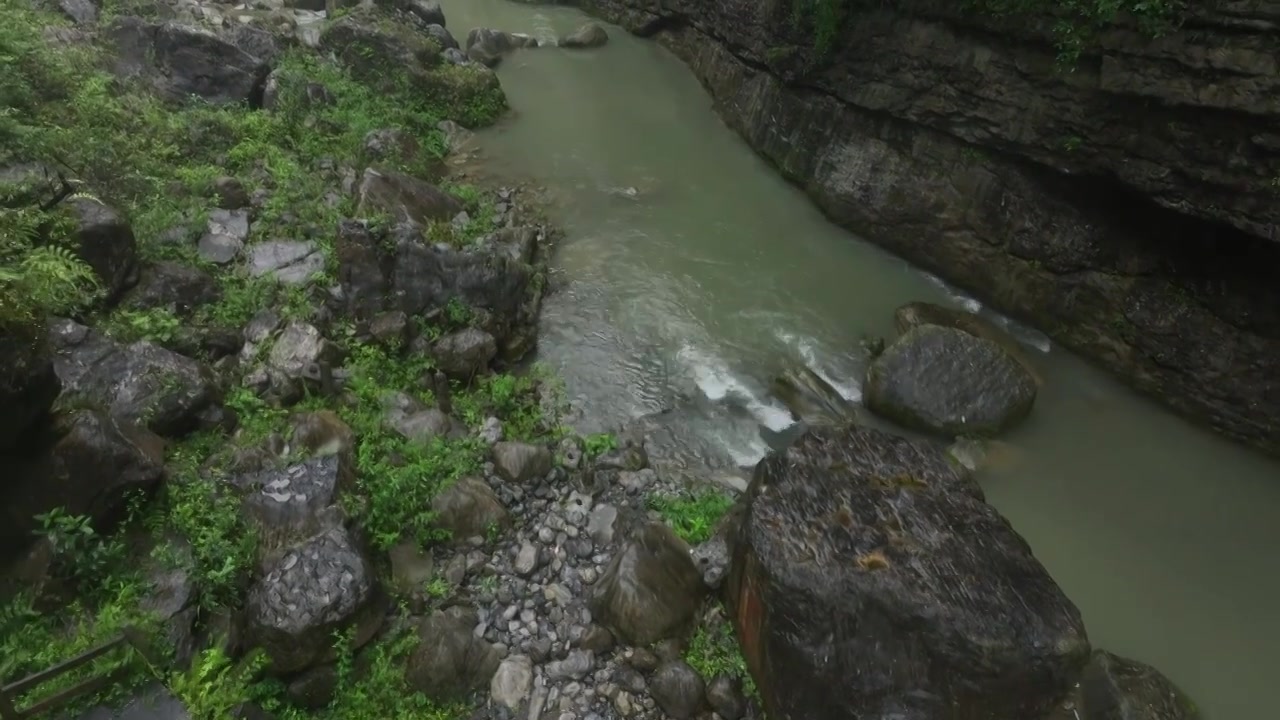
[689, 268]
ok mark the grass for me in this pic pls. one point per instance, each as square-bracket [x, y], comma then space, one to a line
[713, 650]
[692, 515]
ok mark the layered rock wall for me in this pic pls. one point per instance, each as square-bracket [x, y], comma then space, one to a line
[1127, 206]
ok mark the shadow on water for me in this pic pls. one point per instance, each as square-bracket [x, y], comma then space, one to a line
[691, 274]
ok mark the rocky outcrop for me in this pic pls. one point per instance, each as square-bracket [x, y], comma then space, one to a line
[870, 579]
[1116, 688]
[1126, 208]
[180, 61]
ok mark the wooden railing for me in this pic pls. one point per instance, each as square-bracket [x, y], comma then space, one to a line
[131, 637]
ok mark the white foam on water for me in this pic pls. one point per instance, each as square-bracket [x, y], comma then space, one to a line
[717, 382]
[808, 350]
[1026, 335]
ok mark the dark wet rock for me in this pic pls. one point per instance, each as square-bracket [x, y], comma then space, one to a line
[93, 465]
[597, 639]
[177, 286]
[225, 237]
[368, 42]
[442, 36]
[287, 503]
[487, 46]
[166, 392]
[1117, 688]
[520, 462]
[402, 271]
[922, 313]
[868, 576]
[314, 688]
[651, 589]
[724, 695]
[413, 420]
[464, 353]
[468, 508]
[812, 399]
[390, 328]
[590, 35]
[428, 11]
[322, 586]
[630, 455]
[391, 144]
[946, 381]
[678, 690]
[456, 137]
[106, 243]
[512, 682]
[450, 662]
[411, 567]
[179, 61]
[404, 198]
[82, 12]
[29, 385]
[230, 193]
[292, 262]
[321, 432]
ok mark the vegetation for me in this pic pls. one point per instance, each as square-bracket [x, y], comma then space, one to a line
[692, 515]
[1075, 23]
[714, 650]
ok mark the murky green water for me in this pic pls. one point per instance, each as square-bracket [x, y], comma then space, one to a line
[713, 273]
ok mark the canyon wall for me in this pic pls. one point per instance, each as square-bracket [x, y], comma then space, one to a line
[1127, 205]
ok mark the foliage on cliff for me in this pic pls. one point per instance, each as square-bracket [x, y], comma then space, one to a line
[1074, 23]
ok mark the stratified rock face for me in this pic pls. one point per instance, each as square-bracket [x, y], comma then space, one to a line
[180, 61]
[870, 579]
[166, 392]
[651, 590]
[943, 380]
[1116, 688]
[321, 586]
[89, 471]
[955, 165]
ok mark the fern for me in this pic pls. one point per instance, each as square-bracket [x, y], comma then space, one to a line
[39, 274]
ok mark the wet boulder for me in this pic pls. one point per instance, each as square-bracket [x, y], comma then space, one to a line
[1117, 688]
[427, 11]
[178, 287]
[812, 399]
[363, 269]
[464, 353]
[520, 462]
[321, 586]
[412, 420]
[869, 578]
[590, 35]
[93, 465]
[29, 386]
[105, 241]
[725, 696]
[450, 662]
[442, 36]
[468, 508]
[947, 381]
[651, 589]
[144, 383]
[487, 46]
[368, 43]
[915, 314]
[287, 503]
[404, 198]
[179, 61]
[678, 689]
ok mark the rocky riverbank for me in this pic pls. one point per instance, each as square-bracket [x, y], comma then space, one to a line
[1116, 192]
[266, 357]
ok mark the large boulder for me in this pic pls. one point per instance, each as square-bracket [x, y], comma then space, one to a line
[651, 590]
[288, 503]
[589, 35]
[224, 240]
[521, 462]
[468, 508]
[464, 353]
[93, 465]
[322, 586]
[28, 386]
[947, 381]
[870, 579]
[291, 262]
[450, 662]
[181, 61]
[812, 399]
[914, 314]
[404, 198]
[1117, 688]
[143, 383]
[105, 241]
[177, 286]
[487, 46]
[412, 420]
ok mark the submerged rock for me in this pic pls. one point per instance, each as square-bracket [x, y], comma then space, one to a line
[870, 579]
[143, 383]
[589, 35]
[812, 399]
[651, 590]
[319, 587]
[916, 314]
[947, 381]
[487, 46]
[1116, 688]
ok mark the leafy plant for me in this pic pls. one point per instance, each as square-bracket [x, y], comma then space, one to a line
[80, 554]
[215, 683]
[692, 515]
[599, 444]
[713, 650]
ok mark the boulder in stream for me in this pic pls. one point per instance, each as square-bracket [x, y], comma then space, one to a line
[947, 381]
[1117, 688]
[179, 61]
[812, 399]
[869, 578]
[487, 46]
[914, 314]
[590, 35]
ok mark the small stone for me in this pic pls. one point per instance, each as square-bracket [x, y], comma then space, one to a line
[678, 690]
[511, 684]
[576, 665]
[724, 694]
[526, 559]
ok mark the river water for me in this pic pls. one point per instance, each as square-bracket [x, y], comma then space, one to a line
[690, 273]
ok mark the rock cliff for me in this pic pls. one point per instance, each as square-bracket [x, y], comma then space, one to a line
[1125, 204]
